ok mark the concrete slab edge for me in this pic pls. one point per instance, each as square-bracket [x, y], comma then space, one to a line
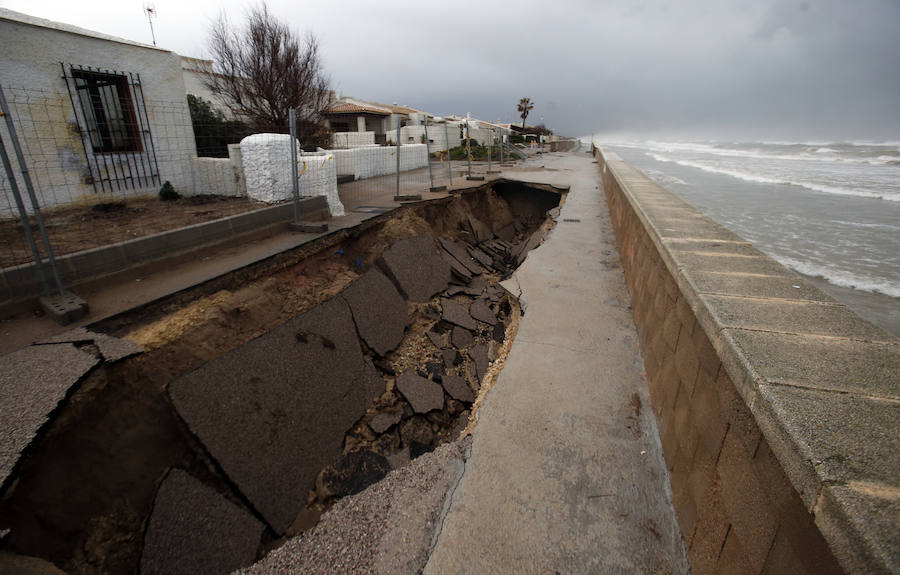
[22, 281]
[851, 538]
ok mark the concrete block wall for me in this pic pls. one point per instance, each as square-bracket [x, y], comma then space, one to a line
[776, 405]
[353, 139]
[220, 176]
[374, 161]
[436, 134]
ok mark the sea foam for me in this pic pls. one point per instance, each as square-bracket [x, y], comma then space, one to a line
[840, 277]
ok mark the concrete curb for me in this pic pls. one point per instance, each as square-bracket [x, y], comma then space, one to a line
[23, 282]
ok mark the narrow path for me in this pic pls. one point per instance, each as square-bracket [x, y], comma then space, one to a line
[566, 473]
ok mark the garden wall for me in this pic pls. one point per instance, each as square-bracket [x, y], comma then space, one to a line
[353, 139]
[373, 161]
[777, 406]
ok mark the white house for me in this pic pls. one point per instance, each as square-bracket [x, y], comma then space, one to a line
[100, 118]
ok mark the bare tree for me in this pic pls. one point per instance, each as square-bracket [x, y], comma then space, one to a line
[264, 69]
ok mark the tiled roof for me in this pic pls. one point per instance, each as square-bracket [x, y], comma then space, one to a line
[403, 110]
[352, 108]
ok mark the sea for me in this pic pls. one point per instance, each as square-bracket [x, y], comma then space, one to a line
[829, 210]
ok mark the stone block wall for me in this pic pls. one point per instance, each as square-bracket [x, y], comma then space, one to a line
[353, 139]
[742, 432]
[220, 176]
[374, 161]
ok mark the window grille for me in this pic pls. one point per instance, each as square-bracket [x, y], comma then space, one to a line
[112, 116]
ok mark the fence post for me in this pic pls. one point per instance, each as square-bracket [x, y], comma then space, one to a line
[298, 225]
[428, 156]
[295, 178]
[64, 308]
[490, 150]
[29, 187]
[398, 197]
[468, 151]
[397, 193]
[501, 146]
[14, 186]
[449, 161]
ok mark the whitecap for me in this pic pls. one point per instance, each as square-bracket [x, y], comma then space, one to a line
[841, 277]
[760, 179]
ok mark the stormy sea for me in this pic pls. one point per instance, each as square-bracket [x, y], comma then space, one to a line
[829, 210]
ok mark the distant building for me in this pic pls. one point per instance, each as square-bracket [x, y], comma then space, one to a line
[356, 116]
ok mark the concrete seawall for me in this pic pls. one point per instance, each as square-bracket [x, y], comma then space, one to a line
[777, 406]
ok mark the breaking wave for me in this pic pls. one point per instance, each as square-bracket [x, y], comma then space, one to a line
[840, 277]
[751, 177]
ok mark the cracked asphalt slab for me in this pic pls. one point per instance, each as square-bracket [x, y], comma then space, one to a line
[33, 382]
[563, 473]
[111, 348]
[308, 379]
[387, 529]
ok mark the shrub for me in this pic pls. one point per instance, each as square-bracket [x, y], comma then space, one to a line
[167, 193]
[212, 131]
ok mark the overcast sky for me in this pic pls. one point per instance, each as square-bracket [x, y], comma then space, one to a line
[722, 69]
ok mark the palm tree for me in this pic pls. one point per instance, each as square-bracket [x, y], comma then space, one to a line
[525, 106]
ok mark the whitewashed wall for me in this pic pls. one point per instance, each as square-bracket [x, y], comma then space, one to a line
[30, 74]
[267, 171]
[220, 176]
[373, 161]
[353, 139]
[436, 135]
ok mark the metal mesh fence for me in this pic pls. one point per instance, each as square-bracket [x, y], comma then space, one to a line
[108, 166]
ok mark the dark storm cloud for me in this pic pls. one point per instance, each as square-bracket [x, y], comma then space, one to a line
[774, 69]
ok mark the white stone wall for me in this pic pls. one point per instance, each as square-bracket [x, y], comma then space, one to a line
[353, 139]
[318, 177]
[219, 176]
[267, 171]
[436, 135]
[373, 161]
[30, 74]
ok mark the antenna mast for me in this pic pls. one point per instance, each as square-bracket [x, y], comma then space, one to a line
[150, 10]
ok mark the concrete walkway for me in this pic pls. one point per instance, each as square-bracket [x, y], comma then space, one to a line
[566, 473]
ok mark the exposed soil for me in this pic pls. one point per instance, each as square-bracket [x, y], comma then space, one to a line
[82, 498]
[78, 228]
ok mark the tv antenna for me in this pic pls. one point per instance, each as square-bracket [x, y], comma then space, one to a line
[150, 10]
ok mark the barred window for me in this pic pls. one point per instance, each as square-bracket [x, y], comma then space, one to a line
[108, 110]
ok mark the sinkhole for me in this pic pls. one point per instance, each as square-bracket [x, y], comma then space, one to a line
[264, 396]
